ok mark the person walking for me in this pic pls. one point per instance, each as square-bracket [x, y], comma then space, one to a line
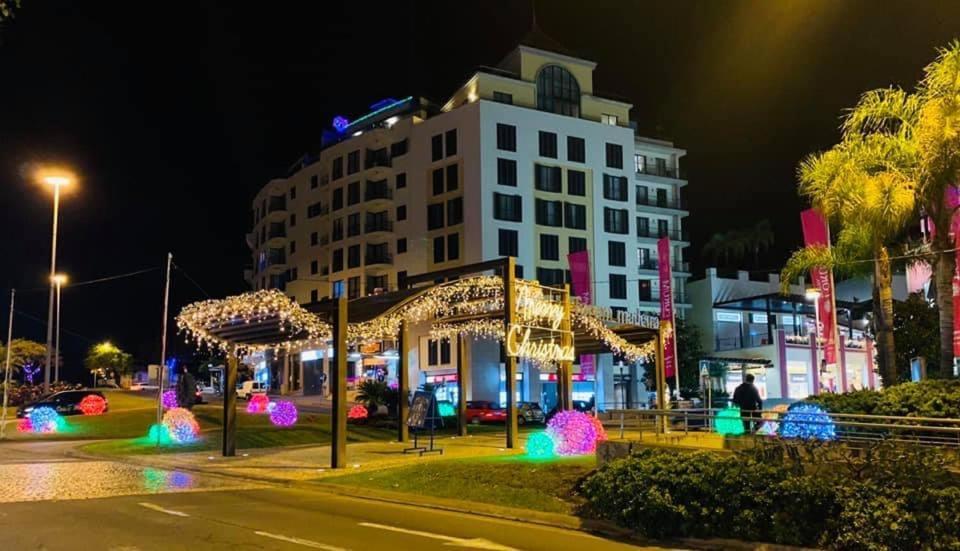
[747, 398]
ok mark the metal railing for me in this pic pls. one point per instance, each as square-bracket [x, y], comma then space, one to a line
[653, 264]
[378, 258]
[661, 202]
[379, 225]
[377, 192]
[654, 233]
[652, 169]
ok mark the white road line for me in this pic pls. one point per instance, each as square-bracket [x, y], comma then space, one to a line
[162, 510]
[475, 543]
[299, 541]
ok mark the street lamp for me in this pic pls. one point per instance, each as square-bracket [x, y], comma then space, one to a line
[56, 179]
[813, 295]
[59, 280]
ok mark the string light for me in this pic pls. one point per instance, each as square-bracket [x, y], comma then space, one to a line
[540, 446]
[284, 414]
[169, 399]
[575, 433]
[181, 425]
[728, 421]
[258, 403]
[358, 412]
[93, 405]
[808, 421]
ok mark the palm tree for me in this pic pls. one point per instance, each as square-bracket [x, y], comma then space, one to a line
[864, 186]
[734, 245]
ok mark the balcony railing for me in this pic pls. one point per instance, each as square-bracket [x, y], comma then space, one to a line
[377, 192]
[654, 170]
[378, 225]
[661, 202]
[679, 297]
[276, 231]
[277, 204]
[378, 258]
[653, 264]
[654, 233]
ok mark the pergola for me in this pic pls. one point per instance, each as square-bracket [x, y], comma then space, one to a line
[474, 300]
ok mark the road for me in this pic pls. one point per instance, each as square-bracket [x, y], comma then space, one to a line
[52, 502]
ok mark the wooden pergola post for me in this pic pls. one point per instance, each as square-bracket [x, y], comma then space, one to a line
[510, 362]
[403, 383]
[463, 382]
[229, 444]
[662, 398]
[338, 381]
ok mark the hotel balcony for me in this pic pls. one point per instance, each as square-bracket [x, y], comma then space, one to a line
[648, 201]
[277, 207]
[659, 171]
[653, 233]
[377, 191]
[378, 263]
[378, 226]
[652, 265]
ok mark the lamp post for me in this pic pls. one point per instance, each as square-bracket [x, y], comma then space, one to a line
[57, 180]
[59, 280]
[813, 295]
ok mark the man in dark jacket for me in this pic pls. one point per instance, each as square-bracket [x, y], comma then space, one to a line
[747, 398]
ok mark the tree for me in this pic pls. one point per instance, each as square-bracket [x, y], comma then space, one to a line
[916, 327]
[6, 9]
[689, 354]
[108, 361]
[734, 245]
[23, 352]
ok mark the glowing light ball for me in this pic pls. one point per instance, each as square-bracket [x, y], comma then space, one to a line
[598, 427]
[771, 421]
[258, 403]
[24, 425]
[159, 434]
[573, 433]
[44, 420]
[358, 412]
[728, 421]
[93, 405]
[446, 409]
[807, 421]
[169, 399]
[181, 425]
[540, 446]
[284, 414]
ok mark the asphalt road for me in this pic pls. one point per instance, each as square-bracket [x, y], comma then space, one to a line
[50, 502]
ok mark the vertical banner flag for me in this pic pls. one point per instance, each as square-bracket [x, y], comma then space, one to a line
[815, 232]
[666, 306]
[952, 200]
[580, 285]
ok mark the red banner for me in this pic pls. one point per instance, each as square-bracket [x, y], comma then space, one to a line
[580, 285]
[666, 304]
[816, 232]
[956, 296]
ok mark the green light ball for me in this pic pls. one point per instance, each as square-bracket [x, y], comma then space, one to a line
[728, 421]
[540, 445]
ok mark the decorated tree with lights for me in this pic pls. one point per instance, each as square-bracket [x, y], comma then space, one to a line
[108, 361]
[24, 354]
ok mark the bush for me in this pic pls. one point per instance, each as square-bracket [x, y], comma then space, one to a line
[821, 495]
[930, 398]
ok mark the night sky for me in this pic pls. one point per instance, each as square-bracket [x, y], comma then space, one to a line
[175, 114]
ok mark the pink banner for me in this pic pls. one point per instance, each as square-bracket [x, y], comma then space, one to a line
[666, 304]
[956, 297]
[815, 232]
[580, 285]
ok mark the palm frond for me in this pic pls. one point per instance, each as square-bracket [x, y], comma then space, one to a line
[884, 110]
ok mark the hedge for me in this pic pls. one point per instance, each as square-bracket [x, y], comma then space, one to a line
[930, 398]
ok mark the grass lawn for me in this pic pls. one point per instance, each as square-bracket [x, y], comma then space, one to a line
[515, 481]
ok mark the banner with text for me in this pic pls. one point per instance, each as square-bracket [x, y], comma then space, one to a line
[816, 232]
[666, 304]
[581, 286]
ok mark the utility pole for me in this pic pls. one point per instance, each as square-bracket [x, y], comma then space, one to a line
[163, 346]
[6, 377]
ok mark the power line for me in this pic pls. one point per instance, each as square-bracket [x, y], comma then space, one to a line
[92, 281]
[186, 275]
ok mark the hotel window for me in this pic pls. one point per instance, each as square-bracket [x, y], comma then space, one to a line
[314, 182]
[549, 213]
[547, 178]
[402, 279]
[618, 286]
[507, 172]
[576, 182]
[337, 261]
[549, 247]
[518, 271]
[293, 191]
[643, 258]
[353, 193]
[455, 211]
[661, 166]
[337, 199]
[503, 97]
[435, 216]
[436, 147]
[639, 163]
[451, 141]
[337, 171]
[353, 224]
[338, 288]
[353, 162]
[642, 195]
[615, 220]
[401, 245]
[336, 234]
[506, 137]
[453, 177]
[548, 144]
[643, 227]
[293, 220]
[508, 245]
[661, 198]
[558, 91]
[453, 246]
[353, 256]
[614, 187]
[437, 181]
[608, 119]
[314, 295]
[614, 155]
[663, 229]
[575, 216]
[314, 210]
[508, 207]
[314, 239]
[576, 244]
[401, 213]
[293, 247]
[616, 253]
[550, 276]
[353, 287]
[576, 149]
[439, 247]
[401, 181]
[398, 148]
[314, 267]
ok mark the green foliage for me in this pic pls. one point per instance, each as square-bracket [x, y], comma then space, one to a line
[373, 393]
[931, 398]
[6, 9]
[689, 352]
[882, 497]
[108, 360]
[22, 352]
[730, 248]
[916, 330]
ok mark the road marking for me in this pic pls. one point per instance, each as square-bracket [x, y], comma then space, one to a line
[160, 509]
[476, 543]
[299, 541]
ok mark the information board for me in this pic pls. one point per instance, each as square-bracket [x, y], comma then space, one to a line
[420, 409]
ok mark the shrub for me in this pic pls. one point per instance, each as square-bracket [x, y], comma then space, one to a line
[930, 398]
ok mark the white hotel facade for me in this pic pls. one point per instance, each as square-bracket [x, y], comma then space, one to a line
[524, 160]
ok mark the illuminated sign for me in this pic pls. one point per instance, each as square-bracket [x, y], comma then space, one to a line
[623, 317]
[758, 318]
[729, 316]
[538, 335]
[548, 350]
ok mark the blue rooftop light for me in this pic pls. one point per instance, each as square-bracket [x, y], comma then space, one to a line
[340, 123]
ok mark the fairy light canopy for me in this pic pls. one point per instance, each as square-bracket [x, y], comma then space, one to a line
[251, 322]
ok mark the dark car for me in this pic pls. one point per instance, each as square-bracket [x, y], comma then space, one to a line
[65, 403]
[578, 405]
[529, 412]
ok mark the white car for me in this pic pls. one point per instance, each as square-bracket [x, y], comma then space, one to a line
[247, 389]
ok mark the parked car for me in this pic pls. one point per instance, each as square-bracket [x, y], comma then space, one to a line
[530, 412]
[484, 411]
[578, 405]
[247, 389]
[65, 403]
